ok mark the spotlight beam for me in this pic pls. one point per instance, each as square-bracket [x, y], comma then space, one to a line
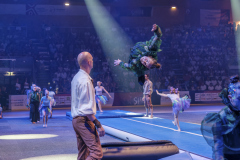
[236, 17]
[113, 39]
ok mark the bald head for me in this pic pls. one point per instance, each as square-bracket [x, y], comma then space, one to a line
[85, 60]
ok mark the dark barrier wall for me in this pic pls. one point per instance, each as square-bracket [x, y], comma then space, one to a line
[125, 99]
[201, 97]
[135, 98]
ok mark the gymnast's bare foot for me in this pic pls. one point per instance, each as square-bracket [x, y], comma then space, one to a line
[174, 123]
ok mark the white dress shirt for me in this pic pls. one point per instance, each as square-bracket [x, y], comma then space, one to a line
[83, 95]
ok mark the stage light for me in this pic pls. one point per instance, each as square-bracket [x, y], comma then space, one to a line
[113, 39]
[26, 136]
[67, 4]
[173, 7]
[9, 74]
[236, 18]
[53, 157]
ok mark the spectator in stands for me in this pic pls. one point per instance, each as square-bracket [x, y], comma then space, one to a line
[218, 87]
[18, 87]
[208, 81]
[210, 87]
[203, 87]
[26, 85]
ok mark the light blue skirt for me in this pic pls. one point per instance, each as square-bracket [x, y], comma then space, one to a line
[102, 98]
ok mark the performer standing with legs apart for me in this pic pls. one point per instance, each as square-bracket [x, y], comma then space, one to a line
[221, 130]
[178, 104]
[100, 98]
[34, 104]
[46, 105]
[143, 55]
[83, 110]
[147, 92]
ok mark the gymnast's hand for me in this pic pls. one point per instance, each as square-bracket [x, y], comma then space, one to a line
[157, 91]
[117, 62]
[101, 131]
[154, 27]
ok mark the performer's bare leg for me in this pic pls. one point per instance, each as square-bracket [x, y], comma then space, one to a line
[99, 105]
[148, 105]
[176, 121]
[44, 117]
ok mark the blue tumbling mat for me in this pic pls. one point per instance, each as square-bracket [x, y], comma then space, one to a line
[112, 114]
[189, 139]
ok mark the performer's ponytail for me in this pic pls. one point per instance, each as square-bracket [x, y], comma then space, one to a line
[156, 65]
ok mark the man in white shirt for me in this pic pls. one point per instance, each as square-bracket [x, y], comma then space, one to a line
[83, 110]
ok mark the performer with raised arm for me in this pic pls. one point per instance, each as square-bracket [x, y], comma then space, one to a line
[178, 104]
[100, 98]
[143, 56]
[147, 92]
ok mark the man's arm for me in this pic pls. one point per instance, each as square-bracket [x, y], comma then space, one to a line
[87, 96]
[150, 88]
[106, 92]
[97, 124]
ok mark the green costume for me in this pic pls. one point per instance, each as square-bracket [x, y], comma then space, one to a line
[148, 48]
[221, 130]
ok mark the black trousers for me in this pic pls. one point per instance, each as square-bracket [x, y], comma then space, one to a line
[232, 156]
[34, 111]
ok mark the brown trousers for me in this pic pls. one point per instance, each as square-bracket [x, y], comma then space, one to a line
[88, 141]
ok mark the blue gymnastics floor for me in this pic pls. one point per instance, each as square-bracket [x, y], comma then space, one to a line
[189, 139]
[112, 114]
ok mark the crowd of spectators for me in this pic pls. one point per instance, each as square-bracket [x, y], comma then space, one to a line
[192, 58]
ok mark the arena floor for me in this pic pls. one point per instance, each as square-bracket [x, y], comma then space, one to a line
[20, 139]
